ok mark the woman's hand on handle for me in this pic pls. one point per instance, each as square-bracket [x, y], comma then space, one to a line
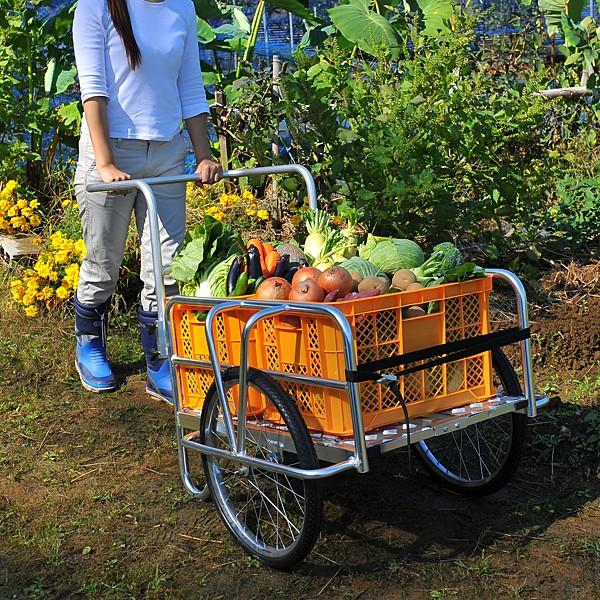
[209, 171]
[109, 173]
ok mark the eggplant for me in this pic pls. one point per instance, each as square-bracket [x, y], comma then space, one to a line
[282, 265]
[254, 268]
[233, 275]
[289, 274]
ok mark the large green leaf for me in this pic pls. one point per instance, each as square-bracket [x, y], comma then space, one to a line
[364, 27]
[58, 80]
[436, 14]
[553, 10]
[295, 7]
[206, 33]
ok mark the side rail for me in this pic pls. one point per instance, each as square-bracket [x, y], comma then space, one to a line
[145, 187]
[525, 345]
[264, 309]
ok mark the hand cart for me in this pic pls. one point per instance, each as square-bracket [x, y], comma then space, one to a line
[285, 394]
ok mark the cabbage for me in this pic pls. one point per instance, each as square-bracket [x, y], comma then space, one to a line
[392, 254]
[362, 266]
[216, 279]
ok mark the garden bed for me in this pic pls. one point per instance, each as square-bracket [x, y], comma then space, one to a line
[91, 504]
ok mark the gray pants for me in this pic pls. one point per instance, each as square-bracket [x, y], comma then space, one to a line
[106, 215]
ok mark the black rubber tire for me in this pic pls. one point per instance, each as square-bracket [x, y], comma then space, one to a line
[510, 382]
[306, 458]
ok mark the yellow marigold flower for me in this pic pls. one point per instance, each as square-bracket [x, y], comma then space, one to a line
[26, 212]
[53, 276]
[10, 186]
[32, 311]
[262, 214]
[21, 204]
[35, 220]
[248, 195]
[33, 204]
[62, 293]
[80, 248]
[250, 212]
[47, 292]
[28, 299]
[11, 212]
[61, 257]
[66, 283]
[66, 203]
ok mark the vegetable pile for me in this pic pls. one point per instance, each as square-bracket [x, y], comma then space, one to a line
[331, 265]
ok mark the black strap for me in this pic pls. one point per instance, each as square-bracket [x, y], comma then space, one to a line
[452, 351]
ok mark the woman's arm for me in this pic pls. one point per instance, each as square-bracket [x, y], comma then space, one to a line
[97, 122]
[209, 170]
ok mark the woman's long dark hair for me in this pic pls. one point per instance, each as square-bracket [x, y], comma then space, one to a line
[119, 14]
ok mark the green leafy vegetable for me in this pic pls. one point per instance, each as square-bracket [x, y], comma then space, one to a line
[391, 254]
[445, 258]
[204, 248]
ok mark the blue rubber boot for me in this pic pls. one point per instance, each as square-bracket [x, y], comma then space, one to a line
[158, 383]
[90, 352]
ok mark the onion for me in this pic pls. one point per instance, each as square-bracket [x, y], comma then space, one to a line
[307, 291]
[336, 278]
[273, 288]
[304, 274]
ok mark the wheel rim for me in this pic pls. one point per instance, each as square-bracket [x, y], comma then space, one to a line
[266, 510]
[475, 455]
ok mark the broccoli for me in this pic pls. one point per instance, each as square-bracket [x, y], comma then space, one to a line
[445, 258]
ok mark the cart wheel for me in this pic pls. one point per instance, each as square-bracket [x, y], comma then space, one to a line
[478, 460]
[275, 518]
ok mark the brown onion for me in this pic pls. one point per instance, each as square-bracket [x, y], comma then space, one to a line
[307, 291]
[336, 278]
[273, 288]
[305, 273]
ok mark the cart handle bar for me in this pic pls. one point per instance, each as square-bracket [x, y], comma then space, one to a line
[145, 187]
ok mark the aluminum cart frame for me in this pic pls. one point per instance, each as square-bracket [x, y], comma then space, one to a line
[341, 454]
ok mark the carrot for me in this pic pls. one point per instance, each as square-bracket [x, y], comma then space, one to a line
[271, 263]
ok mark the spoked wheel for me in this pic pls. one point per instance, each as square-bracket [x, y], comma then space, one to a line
[478, 460]
[275, 518]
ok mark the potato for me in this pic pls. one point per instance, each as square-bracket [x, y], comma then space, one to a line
[414, 286]
[403, 278]
[413, 311]
[373, 282]
[357, 278]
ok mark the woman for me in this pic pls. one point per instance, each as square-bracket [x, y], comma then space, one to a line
[139, 73]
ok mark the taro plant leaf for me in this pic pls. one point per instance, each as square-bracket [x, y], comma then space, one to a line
[240, 20]
[206, 33]
[553, 10]
[70, 114]
[211, 9]
[364, 27]
[436, 14]
[295, 7]
[58, 80]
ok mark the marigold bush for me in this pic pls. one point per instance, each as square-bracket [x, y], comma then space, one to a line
[17, 214]
[54, 277]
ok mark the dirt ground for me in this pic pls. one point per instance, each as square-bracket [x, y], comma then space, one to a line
[91, 504]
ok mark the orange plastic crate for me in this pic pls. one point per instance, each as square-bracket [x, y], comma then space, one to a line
[312, 345]
[189, 338]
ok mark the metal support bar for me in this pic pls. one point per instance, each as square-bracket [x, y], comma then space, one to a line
[523, 318]
[252, 321]
[216, 367]
[275, 467]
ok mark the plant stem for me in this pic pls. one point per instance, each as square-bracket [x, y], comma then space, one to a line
[252, 37]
